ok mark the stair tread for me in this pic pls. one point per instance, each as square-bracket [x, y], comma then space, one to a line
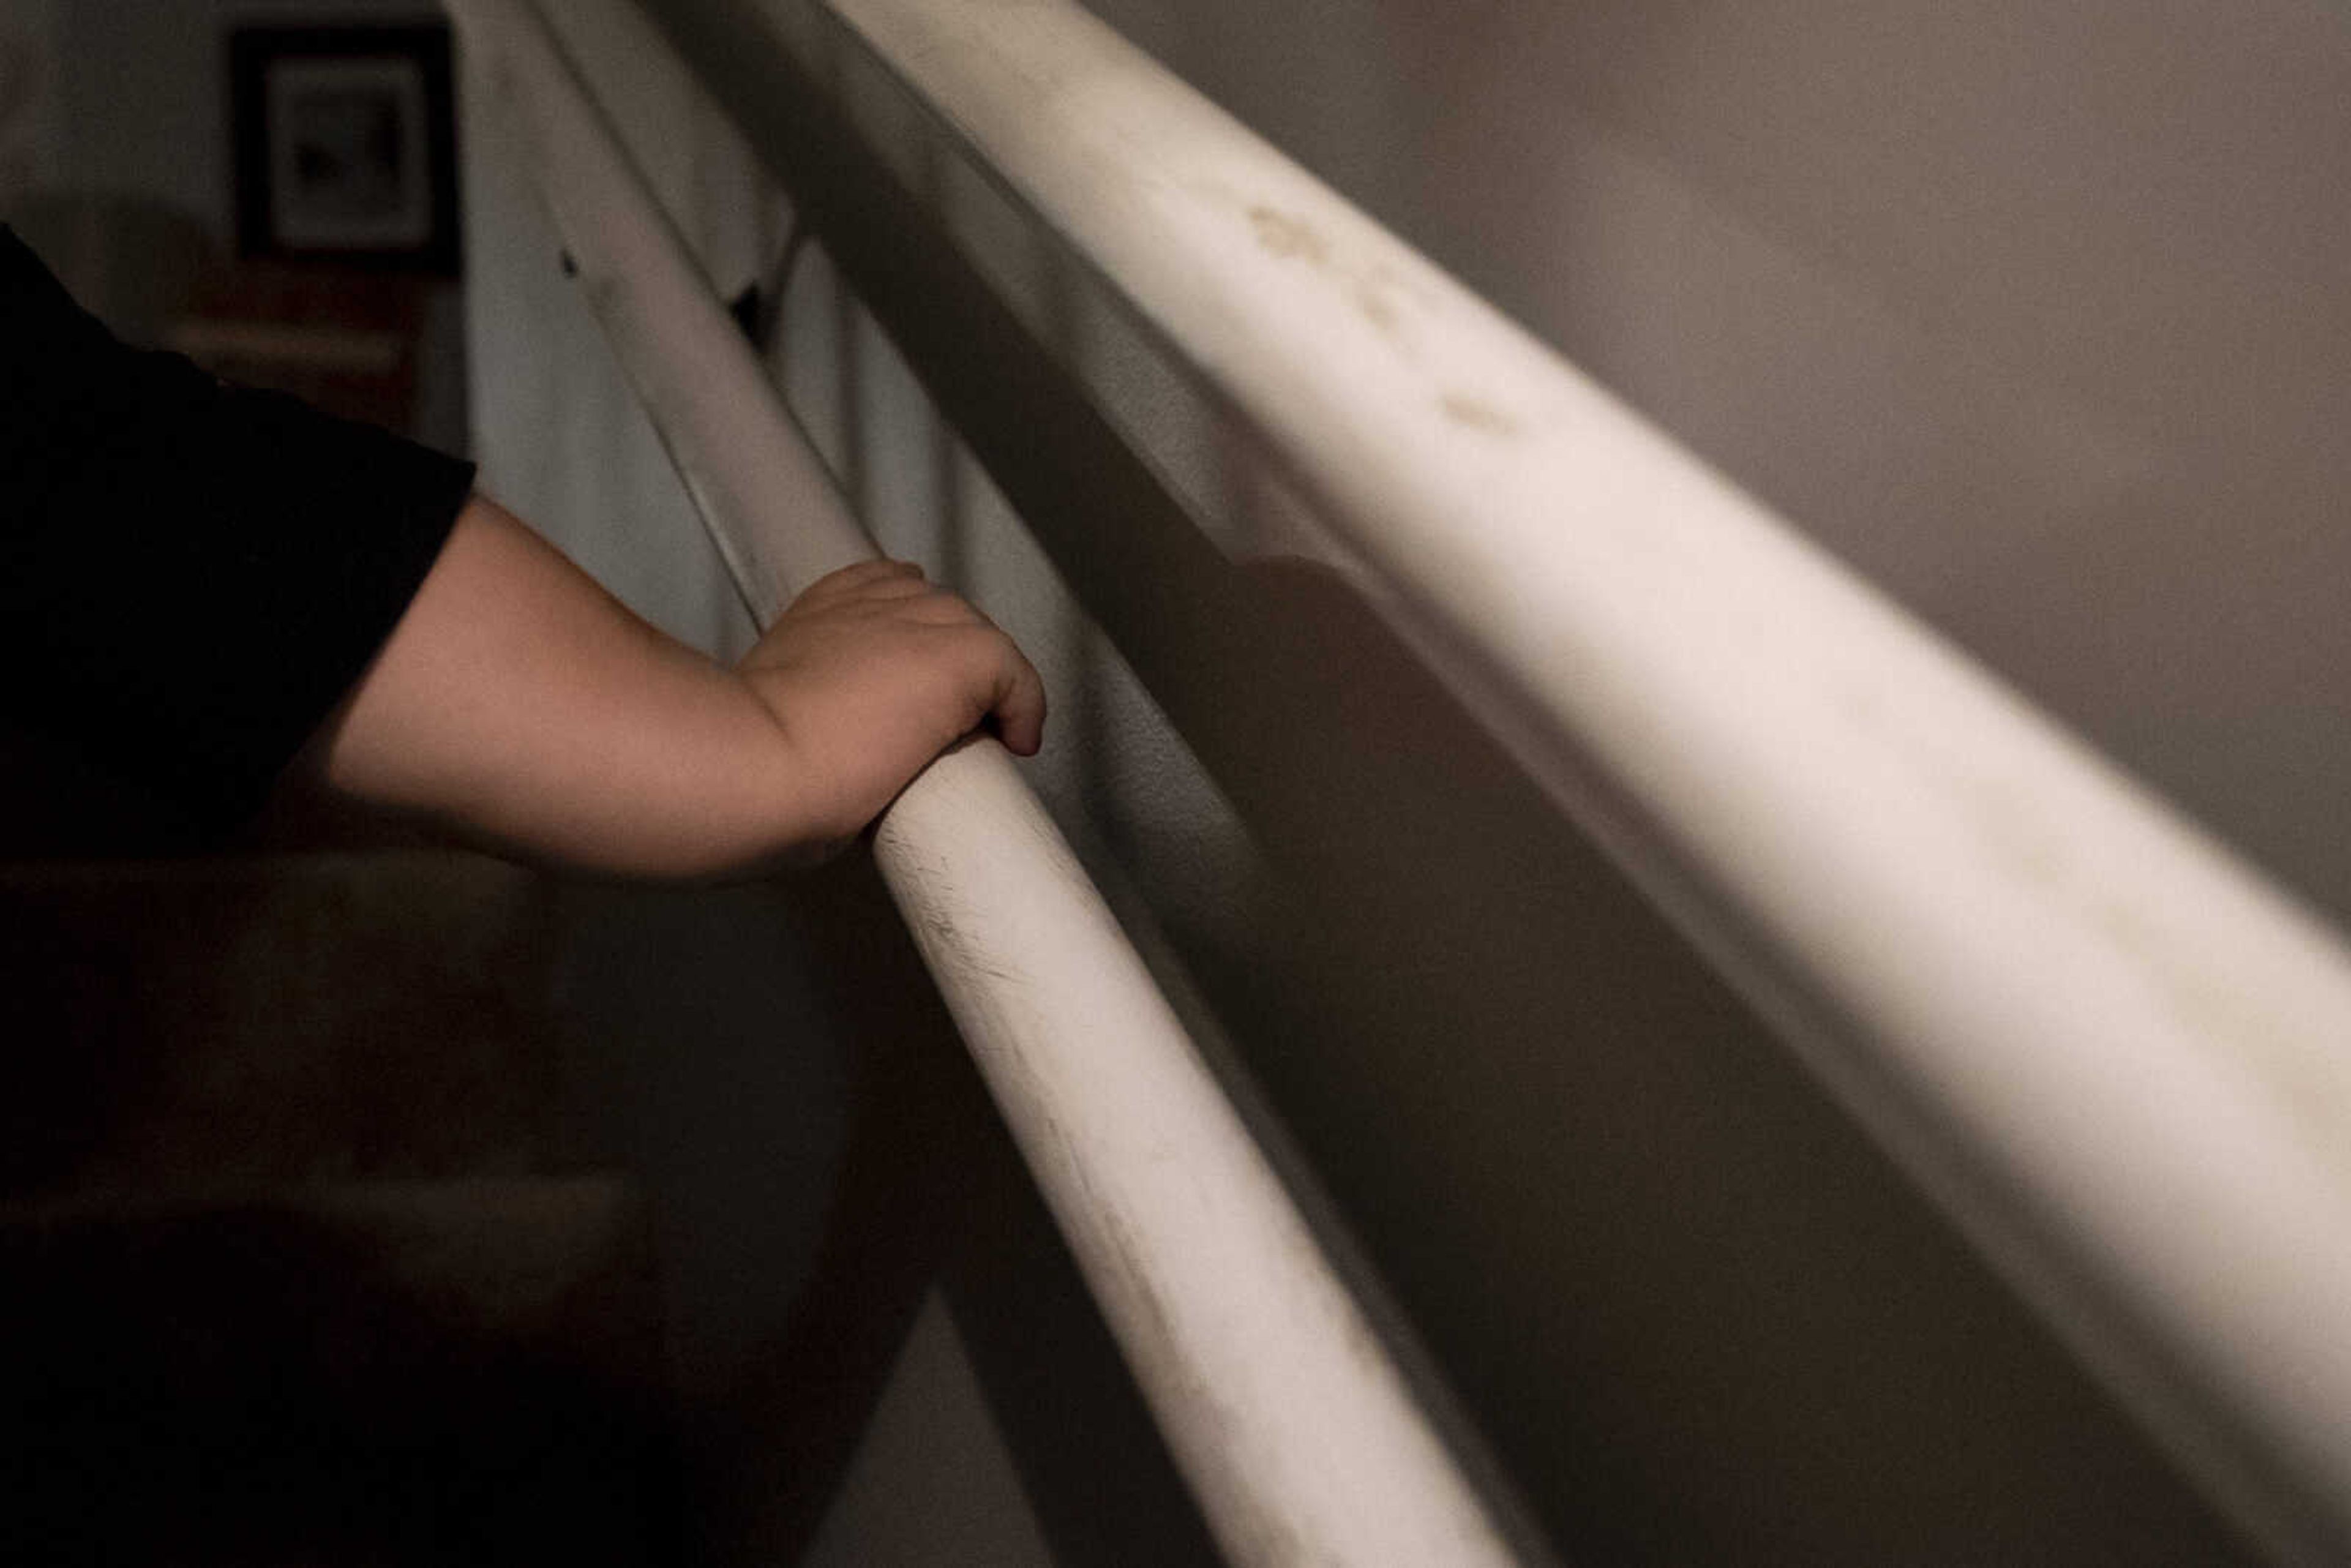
[277, 1019]
[383, 1372]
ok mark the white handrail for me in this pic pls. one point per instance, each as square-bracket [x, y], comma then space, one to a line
[1292, 1424]
[2119, 1058]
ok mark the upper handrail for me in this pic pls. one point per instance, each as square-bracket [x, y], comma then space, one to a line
[1288, 1418]
[2117, 1056]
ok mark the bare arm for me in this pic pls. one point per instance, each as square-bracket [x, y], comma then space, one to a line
[518, 700]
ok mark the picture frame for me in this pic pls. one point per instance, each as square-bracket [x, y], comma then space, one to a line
[346, 145]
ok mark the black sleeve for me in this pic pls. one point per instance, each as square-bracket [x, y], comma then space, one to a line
[191, 575]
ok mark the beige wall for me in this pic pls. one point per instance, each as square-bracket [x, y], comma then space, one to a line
[2040, 315]
[143, 91]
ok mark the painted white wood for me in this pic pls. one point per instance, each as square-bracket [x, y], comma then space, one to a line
[560, 437]
[2118, 1057]
[1293, 1424]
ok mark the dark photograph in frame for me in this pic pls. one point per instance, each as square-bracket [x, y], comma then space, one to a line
[346, 145]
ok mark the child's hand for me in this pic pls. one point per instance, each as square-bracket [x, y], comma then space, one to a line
[523, 706]
[871, 673]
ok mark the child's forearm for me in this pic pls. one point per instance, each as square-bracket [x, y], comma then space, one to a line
[518, 701]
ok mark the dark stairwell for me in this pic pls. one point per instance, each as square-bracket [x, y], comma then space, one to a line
[312, 1255]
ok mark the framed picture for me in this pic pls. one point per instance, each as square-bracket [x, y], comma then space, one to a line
[346, 145]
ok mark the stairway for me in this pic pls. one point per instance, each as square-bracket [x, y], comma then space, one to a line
[311, 1254]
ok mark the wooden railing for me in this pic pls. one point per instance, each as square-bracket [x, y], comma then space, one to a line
[1294, 1428]
[2118, 1059]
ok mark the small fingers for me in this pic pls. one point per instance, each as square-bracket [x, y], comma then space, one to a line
[864, 580]
[990, 669]
[1017, 701]
[1014, 692]
[937, 607]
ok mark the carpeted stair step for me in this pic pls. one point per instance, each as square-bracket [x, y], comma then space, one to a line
[185, 1026]
[382, 1373]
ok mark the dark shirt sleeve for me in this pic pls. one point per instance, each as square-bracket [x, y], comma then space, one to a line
[192, 575]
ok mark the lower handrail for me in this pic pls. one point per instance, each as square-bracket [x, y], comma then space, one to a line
[1293, 1424]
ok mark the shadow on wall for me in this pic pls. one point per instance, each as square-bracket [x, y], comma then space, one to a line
[1698, 1317]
